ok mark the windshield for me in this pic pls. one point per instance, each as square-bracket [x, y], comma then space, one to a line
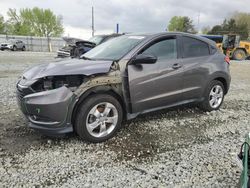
[96, 39]
[114, 49]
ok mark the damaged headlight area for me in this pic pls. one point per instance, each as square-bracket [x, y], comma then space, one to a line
[53, 82]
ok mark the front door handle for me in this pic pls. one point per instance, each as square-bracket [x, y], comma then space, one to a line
[176, 66]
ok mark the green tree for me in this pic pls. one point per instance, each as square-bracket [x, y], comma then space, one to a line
[182, 24]
[230, 27]
[205, 30]
[36, 22]
[15, 25]
[242, 18]
[216, 30]
[243, 22]
[2, 25]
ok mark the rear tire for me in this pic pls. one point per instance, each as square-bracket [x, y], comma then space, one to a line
[214, 96]
[239, 55]
[23, 48]
[98, 118]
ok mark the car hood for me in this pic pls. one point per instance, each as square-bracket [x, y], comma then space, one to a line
[68, 67]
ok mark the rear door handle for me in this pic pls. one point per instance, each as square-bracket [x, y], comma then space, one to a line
[176, 66]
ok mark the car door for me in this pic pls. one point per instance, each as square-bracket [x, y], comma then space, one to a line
[160, 84]
[196, 64]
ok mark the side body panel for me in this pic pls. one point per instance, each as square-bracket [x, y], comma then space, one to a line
[155, 85]
[199, 71]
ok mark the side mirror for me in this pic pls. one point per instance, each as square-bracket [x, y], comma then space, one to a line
[144, 59]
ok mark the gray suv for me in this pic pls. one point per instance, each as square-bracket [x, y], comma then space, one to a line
[120, 79]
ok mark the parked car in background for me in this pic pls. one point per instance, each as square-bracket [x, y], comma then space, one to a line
[13, 45]
[120, 79]
[76, 47]
[69, 50]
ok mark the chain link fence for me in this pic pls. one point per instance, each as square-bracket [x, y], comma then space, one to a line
[37, 44]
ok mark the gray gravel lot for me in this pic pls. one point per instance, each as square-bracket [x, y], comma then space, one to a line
[171, 148]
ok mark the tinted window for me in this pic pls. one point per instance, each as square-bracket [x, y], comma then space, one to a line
[165, 49]
[213, 49]
[194, 48]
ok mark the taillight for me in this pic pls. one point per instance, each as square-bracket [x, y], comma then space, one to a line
[227, 59]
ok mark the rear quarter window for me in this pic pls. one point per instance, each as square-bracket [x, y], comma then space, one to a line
[194, 47]
[213, 49]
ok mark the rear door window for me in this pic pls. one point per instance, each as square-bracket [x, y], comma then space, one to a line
[194, 47]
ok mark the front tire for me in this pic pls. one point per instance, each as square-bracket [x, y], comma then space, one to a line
[14, 48]
[98, 118]
[214, 96]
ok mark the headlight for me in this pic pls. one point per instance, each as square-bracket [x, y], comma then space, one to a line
[52, 82]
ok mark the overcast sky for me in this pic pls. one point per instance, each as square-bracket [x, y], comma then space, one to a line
[132, 15]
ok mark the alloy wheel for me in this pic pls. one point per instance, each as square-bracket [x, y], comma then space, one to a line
[102, 119]
[216, 96]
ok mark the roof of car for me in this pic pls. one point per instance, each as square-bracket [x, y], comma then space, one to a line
[108, 35]
[152, 35]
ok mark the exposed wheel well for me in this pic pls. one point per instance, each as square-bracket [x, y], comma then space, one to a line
[224, 82]
[87, 94]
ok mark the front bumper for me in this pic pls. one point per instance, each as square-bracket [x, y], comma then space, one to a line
[47, 111]
[5, 48]
[61, 53]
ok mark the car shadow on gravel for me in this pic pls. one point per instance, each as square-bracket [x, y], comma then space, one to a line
[17, 138]
[141, 139]
[149, 135]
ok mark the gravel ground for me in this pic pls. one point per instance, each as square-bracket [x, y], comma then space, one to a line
[171, 148]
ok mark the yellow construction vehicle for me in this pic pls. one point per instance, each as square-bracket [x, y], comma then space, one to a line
[233, 47]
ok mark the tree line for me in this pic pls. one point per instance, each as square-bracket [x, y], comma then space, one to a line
[32, 22]
[238, 23]
[44, 23]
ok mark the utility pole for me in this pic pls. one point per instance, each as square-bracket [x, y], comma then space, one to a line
[198, 22]
[93, 26]
[117, 28]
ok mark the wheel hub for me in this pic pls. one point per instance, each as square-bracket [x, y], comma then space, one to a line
[102, 118]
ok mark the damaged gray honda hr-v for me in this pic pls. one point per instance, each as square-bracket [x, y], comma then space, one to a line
[120, 79]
